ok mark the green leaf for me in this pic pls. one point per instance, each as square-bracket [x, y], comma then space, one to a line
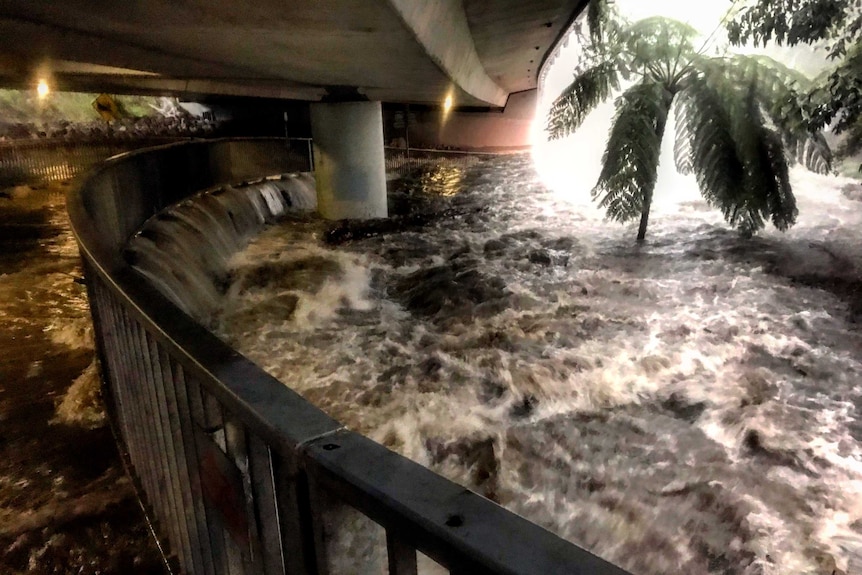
[597, 17]
[589, 89]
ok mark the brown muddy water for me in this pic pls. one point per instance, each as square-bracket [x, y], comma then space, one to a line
[66, 506]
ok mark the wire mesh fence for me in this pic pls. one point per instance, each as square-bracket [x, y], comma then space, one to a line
[51, 160]
[401, 161]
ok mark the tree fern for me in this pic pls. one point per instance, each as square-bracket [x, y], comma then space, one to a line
[739, 161]
[739, 121]
[630, 162]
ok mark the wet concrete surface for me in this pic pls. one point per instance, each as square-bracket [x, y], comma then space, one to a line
[66, 505]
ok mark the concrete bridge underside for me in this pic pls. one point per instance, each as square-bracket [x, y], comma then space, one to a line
[416, 51]
[350, 55]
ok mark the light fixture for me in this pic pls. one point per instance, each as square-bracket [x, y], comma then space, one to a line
[42, 89]
[447, 104]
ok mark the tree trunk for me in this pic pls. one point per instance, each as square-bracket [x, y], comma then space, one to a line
[645, 216]
[661, 121]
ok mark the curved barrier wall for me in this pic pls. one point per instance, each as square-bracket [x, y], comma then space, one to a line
[237, 471]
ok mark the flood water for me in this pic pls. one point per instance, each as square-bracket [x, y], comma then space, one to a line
[66, 505]
[689, 405]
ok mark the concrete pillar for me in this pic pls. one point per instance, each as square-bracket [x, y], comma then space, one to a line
[348, 160]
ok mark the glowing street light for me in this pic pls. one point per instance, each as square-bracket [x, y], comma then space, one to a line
[42, 89]
[447, 104]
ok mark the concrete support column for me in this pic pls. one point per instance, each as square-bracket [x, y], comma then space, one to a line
[348, 158]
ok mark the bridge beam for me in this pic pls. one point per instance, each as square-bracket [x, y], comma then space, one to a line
[348, 156]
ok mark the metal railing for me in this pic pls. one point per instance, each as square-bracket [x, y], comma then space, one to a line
[45, 160]
[239, 472]
[54, 159]
[402, 160]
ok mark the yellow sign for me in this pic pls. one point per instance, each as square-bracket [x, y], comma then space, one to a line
[106, 107]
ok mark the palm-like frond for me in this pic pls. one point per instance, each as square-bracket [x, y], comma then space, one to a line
[705, 125]
[815, 154]
[779, 90]
[682, 152]
[738, 160]
[630, 162]
[589, 89]
[766, 185]
[597, 18]
[659, 45]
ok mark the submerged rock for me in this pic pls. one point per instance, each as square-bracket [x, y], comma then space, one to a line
[476, 454]
[449, 287]
[683, 408]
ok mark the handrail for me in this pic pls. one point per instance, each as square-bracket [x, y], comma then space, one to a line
[238, 471]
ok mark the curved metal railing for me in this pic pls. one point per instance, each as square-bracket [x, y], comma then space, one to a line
[239, 473]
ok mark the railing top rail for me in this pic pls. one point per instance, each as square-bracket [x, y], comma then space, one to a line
[452, 152]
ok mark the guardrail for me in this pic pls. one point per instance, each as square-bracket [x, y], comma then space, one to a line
[55, 159]
[45, 160]
[239, 472]
[402, 160]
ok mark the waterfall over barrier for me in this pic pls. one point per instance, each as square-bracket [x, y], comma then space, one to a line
[184, 249]
[239, 474]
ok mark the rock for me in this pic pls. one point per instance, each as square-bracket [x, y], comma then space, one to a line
[852, 192]
[683, 408]
[524, 407]
[541, 257]
[494, 247]
[753, 444]
[427, 292]
[478, 454]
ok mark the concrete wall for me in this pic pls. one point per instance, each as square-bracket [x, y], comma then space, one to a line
[463, 129]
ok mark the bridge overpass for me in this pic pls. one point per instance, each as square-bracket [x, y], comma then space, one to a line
[349, 55]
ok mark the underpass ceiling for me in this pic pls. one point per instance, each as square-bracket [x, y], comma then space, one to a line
[513, 36]
[283, 49]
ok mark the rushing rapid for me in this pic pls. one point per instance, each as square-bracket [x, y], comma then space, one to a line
[689, 405]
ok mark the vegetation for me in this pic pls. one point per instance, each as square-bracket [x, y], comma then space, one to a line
[737, 117]
[835, 98]
[24, 106]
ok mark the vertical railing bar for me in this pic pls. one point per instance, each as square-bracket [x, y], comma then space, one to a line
[195, 503]
[113, 369]
[126, 386]
[316, 502]
[265, 506]
[236, 441]
[164, 380]
[291, 495]
[189, 523]
[198, 419]
[163, 470]
[214, 414]
[147, 453]
[401, 556]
